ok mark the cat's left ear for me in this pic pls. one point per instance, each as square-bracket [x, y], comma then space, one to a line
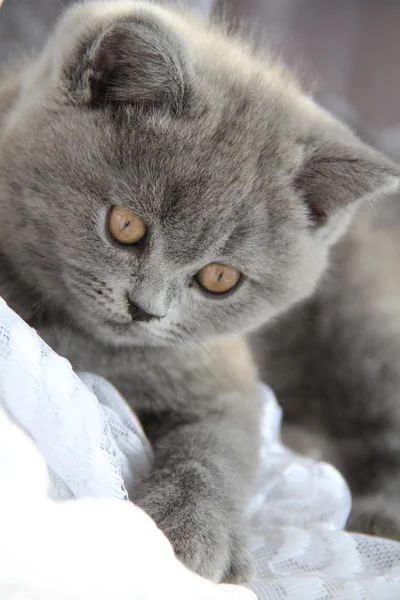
[130, 61]
[340, 172]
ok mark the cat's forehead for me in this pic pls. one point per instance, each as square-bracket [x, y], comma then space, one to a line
[219, 154]
[185, 177]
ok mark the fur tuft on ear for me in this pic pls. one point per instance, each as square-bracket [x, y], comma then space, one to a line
[339, 174]
[131, 61]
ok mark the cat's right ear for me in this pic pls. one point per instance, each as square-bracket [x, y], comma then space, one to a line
[131, 61]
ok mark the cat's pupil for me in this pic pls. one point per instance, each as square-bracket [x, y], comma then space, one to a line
[220, 276]
[127, 224]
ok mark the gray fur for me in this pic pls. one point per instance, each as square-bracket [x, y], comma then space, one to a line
[334, 363]
[226, 160]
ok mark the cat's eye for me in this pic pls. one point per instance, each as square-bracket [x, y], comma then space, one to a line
[218, 279]
[125, 226]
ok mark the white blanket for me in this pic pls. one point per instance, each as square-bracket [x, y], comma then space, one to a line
[67, 456]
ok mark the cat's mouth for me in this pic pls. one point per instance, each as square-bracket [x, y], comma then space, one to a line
[122, 330]
[129, 328]
[134, 333]
[120, 325]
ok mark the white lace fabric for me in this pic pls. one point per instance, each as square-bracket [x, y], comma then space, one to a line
[69, 451]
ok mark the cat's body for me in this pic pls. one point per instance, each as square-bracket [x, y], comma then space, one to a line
[226, 162]
[334, 363]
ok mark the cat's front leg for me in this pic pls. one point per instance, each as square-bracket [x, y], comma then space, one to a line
[200, 409]
[198, 490]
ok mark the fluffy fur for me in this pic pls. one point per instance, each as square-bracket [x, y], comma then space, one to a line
[226, 160]
[333, 360]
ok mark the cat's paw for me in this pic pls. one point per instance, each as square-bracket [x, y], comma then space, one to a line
[204, 539]
[375, 516]
[215, 555]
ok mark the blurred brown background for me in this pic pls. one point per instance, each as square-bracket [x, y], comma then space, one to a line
[349, 48]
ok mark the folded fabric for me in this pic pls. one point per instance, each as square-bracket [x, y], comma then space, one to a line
[75, 550]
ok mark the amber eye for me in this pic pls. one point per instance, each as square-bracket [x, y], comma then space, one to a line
[218, 279]
[125, 226]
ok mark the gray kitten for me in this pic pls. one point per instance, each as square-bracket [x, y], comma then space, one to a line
[334, 362]
[162, 192]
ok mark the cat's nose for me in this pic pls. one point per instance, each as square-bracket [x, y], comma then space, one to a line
[138, 314]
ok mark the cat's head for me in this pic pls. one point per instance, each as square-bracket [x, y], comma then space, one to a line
[159, 183]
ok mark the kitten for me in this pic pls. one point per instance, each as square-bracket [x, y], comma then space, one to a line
[163, 191]
[334, 363]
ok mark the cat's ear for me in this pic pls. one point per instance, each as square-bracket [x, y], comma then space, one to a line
[339, 173]
[130, 61]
